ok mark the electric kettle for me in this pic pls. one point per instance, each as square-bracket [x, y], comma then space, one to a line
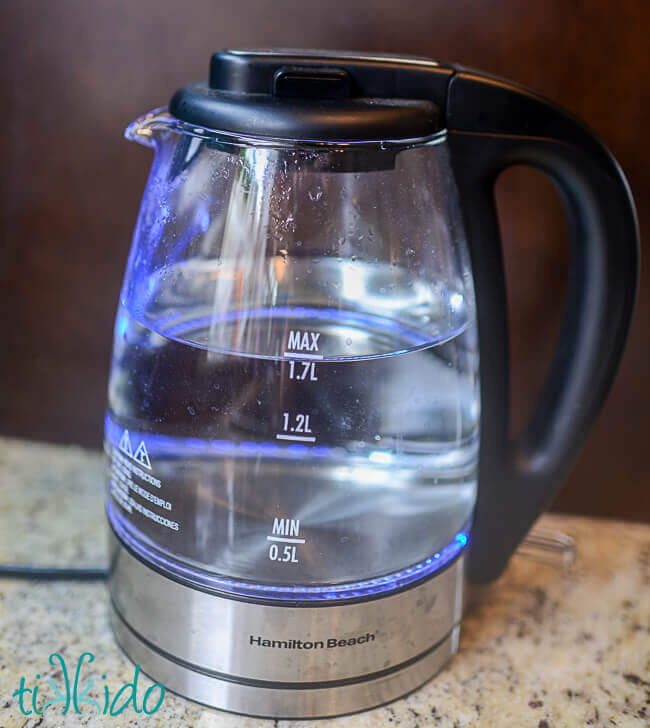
[307, 421]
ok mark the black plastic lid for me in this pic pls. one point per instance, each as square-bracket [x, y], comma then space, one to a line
[317, 95]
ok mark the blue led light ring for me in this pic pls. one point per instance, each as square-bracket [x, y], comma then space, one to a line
[368, 587]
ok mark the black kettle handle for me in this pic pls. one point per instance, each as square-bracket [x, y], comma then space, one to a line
[492, 125]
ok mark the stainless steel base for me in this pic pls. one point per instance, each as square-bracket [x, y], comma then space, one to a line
[286, 659]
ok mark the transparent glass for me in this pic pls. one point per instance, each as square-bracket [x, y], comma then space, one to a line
[293, 399]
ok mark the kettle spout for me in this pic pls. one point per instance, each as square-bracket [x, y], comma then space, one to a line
[147, 129]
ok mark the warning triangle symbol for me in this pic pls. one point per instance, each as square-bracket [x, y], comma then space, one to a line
[125, 444]
[142, 456]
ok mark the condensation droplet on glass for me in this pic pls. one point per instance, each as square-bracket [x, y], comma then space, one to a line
[191, 410]
[298, 243]
[410, 252]
[348, 341]
[377, 438]
[315, 196]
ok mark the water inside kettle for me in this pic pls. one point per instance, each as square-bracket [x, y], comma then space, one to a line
[295, 443]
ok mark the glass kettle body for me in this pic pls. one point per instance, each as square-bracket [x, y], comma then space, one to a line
[296, 348]
[294, 426]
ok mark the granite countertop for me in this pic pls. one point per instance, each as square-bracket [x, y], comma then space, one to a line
[547, 646]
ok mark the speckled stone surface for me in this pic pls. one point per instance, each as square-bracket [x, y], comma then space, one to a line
[545, 647]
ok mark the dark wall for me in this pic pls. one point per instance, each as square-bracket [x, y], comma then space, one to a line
[73, 73]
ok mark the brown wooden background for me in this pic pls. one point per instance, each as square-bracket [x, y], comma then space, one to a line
[73, 73]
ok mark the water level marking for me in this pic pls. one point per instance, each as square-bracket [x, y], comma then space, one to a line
[296, 438]
[286, 531]
[282, 539]
[302, 355]
[296, 424]
[303, 340]
[303, 370]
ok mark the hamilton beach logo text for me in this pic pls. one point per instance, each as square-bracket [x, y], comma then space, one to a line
[329, 643]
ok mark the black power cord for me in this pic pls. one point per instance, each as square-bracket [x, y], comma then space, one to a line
[52, 573]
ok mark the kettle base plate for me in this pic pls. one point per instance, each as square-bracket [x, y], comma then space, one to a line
[282, 701]
[283, 660]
